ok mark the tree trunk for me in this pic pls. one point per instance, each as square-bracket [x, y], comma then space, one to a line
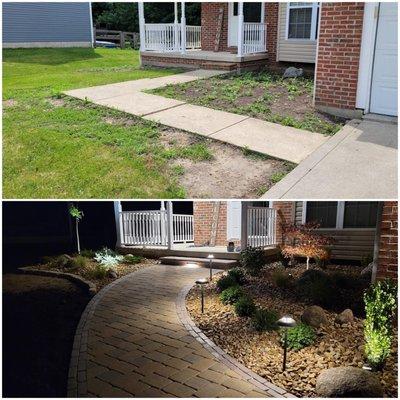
[77, 236]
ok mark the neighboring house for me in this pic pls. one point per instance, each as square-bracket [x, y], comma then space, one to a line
[46, 24]
[352, 46]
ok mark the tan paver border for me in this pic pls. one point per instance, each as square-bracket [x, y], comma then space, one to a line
[246, 373]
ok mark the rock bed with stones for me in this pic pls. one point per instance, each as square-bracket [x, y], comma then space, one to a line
[336, 345]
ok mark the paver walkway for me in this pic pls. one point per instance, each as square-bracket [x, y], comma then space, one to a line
[275, 140]
[131, 342]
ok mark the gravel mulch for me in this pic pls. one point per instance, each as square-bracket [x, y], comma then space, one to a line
[336, 345]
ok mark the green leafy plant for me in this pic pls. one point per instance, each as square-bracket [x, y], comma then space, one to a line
[237, 274]
[380, 307]
[132, 259]
[252, 259]
[300, 336]
[226, 282]
[108, 258]
[99, 272]
[88, 253]
[245, 306]
[77, 262]
[231, 295]
[77, 215]
[264, 320]
[281, 278]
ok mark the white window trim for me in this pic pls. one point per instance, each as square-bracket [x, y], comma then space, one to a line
[339, 219]
[313, 31]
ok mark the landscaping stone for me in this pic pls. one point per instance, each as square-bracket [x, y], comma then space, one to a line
[112, 273]
[293, 72]
[345, 317]
[314, 316]
[348, 382]
[367, 271]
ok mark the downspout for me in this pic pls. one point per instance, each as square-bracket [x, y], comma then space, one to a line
[377, 241]
[91, 24]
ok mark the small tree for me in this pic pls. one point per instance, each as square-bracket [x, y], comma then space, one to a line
[78, 215]
[304, 242]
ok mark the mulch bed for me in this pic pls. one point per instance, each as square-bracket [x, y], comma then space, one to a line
[336, 345]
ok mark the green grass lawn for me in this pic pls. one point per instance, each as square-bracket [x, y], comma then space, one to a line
[260, 95]
[57, 147]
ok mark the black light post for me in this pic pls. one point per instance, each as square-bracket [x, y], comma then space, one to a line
[210, 257]
[285, 322]
[201, 283]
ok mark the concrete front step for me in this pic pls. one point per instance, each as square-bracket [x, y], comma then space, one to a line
[217, 263]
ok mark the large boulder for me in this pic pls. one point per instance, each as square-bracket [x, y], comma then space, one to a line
[293, 72]
[345, 317]
[348, 382]
[314, 316]
[367, 271]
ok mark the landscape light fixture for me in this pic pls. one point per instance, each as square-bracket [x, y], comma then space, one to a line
[285, 322]
[210, 257]
[201, 283]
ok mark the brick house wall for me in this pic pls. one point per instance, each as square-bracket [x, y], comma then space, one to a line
[338, 55]
[285, 212]
[202, 222]
[388, 244]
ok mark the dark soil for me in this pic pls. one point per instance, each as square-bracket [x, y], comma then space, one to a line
[40, 315]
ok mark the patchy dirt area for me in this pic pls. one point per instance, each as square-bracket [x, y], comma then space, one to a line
[9, 103]
[40, 315]
[230, 173]
[335, 345]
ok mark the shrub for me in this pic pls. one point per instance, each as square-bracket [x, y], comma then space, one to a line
[245, 306]
[57, 261]
[300, 336]
[237, 274]
[281, 278]
[226, 282]
[231, 295]
[88, 253]
[108, 258]
[380, 308]
[264, 320]
[132, 259]
[77, 262]
[99, 272]
[252, 259]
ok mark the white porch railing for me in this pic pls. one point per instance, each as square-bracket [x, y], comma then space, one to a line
[261, 229]
[150, 228]
[254, 37]
[167, 37]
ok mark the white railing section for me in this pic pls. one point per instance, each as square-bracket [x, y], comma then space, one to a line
[167, 37]
[261, 230]
[150, 228]
[183, 228]
[254, 38]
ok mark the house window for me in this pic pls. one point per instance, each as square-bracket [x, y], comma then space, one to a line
[360, 214]
[302, 20]
[235, 9]
[323, 212]
[252, 12]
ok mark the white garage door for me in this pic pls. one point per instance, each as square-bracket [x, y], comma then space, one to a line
[384, 78]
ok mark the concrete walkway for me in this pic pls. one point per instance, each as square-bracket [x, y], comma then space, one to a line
[359, 162]
[264, 137]
[135, 339]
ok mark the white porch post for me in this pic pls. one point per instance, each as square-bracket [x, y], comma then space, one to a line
[163, 224]
[240, 29]
[176, 27]
[243, 238]
[118, 221]
[170, 228]
[183, 28]
[141, 25]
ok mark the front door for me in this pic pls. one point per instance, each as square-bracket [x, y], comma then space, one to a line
[234, 220]
[251, 13]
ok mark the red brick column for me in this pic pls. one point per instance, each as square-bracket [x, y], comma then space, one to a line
[271, 19]
[285, 214]
[388, 247]
[338, 55]
[209, 26]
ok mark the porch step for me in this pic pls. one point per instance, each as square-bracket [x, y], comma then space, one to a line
[217, 263]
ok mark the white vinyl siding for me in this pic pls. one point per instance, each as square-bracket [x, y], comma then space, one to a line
[293, 50]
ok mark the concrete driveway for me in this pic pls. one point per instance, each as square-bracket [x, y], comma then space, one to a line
[359, 162]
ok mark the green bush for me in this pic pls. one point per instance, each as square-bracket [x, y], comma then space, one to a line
[231, 295]
[281, 278]
[56, 262]
[264, 320]
[77, 262]
[88, 253]
[300, 336]
[252, 259]
[380, 308]
[99, 272]
[226, 282]
[245, 306]
[132, 259]
[238, 275]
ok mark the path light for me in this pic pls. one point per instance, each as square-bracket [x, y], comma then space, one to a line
[285, 322]
[201, 282]
[210, 257]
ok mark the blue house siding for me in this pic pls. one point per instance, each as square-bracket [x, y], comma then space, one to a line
[42, 24]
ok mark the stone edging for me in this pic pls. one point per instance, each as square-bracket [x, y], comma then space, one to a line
[83, 283]
[220, 354]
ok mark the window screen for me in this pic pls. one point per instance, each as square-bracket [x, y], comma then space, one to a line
[323, 212]
[360, 214]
